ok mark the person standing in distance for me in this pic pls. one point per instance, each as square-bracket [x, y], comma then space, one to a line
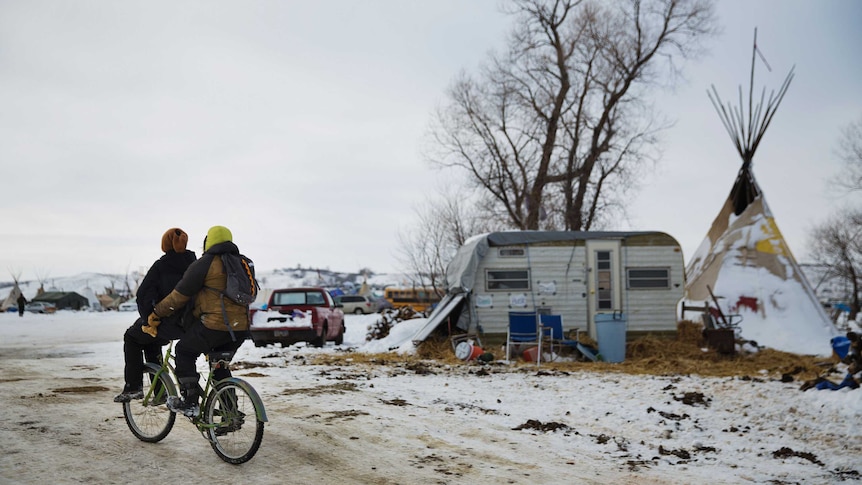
[22, 302]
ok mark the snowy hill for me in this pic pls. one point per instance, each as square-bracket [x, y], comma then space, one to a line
[100, 283]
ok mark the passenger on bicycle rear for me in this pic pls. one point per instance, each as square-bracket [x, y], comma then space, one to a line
[221, 324]
[161, 278]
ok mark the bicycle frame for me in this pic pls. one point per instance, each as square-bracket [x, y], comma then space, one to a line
[167, 368]
[231, 416]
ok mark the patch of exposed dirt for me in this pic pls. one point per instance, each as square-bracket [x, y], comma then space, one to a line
[786, 452]
[81, 389]
[339, 388]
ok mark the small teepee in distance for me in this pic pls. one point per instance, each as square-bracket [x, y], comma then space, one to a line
[744, 258]
[12, 299]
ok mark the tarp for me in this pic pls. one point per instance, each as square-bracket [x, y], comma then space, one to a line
[440, 313]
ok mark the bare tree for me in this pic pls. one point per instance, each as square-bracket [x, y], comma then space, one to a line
[442, 225]
[849, 151]
[422, 251]
[553, 127]
[837, 245]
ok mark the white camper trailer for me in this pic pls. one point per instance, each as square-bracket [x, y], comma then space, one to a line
[579, 275]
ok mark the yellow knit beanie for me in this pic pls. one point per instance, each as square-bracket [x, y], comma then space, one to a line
[216, 235]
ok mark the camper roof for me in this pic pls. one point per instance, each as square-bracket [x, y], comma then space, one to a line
[530, 237]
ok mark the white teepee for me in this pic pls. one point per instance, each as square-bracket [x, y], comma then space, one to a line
[12, 299]
[745, 260]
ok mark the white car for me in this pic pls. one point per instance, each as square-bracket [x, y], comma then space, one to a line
[40, 307]
[357, 304]
[130, 305]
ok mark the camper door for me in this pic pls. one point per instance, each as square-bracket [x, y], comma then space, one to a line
[604, 285]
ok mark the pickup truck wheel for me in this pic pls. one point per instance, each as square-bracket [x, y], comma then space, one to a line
[321, 340]
[340, 338]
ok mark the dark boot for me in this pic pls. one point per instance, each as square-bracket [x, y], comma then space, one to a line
[129, 394]
[187, 405]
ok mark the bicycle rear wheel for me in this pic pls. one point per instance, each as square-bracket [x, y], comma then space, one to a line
[148, 418]
[235, 433]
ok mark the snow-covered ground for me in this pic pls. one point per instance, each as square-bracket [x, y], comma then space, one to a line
[415, 423]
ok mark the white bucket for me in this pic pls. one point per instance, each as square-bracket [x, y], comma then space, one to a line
[468, 351]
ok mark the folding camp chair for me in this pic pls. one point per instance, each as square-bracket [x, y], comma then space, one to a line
[552, 331]
[523, 329]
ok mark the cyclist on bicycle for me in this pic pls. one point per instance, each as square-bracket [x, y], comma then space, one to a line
[202, 283]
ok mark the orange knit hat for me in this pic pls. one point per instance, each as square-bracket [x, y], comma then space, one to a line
[175, 239]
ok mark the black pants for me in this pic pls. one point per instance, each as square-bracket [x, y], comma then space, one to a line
[139, 347]
[198, 340]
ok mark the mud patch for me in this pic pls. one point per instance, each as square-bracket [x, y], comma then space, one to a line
[786, 452]
[667, 415]
[241, 365]
[466, 407]
[420, 368]
[339, 388]
[61, 355]
[446, 466]
[540, 426]
[681, 454]
[346, 415]
[80, 389]
[254, 374]
[694, 399]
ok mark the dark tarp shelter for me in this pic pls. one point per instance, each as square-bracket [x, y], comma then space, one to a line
[64, 300]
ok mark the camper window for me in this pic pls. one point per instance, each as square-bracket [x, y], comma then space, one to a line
[507, 279]
[651, 278]
[510, 252]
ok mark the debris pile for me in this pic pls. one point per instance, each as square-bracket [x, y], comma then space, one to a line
[388, 319]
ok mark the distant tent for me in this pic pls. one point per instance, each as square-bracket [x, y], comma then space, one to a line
[12, 299]
[64, 300]
[90, 295]
[364, 290]
[745, 259]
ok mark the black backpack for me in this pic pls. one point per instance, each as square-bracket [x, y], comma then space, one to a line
[242, 287]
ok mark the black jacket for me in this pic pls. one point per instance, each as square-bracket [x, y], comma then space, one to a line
[164, 274]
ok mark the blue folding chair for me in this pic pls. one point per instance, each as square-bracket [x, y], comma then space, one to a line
[552, 330]
[523, 329]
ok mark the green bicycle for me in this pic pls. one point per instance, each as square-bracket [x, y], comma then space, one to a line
[232, 414]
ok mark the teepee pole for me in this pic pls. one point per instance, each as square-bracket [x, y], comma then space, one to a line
[746, 130]
[751, 96]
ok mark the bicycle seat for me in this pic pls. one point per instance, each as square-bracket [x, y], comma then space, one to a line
[219, 355]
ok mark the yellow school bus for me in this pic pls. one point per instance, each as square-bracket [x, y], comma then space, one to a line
[419, 299]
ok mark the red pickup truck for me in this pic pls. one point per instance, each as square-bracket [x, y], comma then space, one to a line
[298, 315]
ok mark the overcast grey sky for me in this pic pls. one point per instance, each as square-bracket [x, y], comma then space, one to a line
[298, 125]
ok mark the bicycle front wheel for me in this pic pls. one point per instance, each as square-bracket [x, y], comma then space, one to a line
[149, 418]
[235, 432]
